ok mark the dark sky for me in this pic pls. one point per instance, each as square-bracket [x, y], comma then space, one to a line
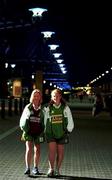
[84, 30]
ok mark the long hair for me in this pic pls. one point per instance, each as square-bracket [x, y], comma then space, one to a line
[32, 95]
[62, 100]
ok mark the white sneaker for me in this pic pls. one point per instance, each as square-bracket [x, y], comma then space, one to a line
[50, 173]
[57, 173]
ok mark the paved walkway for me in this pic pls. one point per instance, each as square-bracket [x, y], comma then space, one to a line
[87, 156]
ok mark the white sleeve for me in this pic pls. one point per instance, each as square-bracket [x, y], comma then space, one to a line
[25, 115]
[46, 115]
[68, 115]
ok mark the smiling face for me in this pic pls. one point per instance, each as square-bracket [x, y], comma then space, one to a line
[36, 98]
[56, 97]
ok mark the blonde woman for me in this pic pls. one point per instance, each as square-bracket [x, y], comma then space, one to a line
[32, 125]
[58, 123]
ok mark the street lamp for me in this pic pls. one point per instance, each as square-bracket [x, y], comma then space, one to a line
[47, 34]
[59, 61]
[53, 46]
[57, 55]
[37, 11]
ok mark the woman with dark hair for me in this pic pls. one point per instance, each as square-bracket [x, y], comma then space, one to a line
[32, 125]
[58, 123]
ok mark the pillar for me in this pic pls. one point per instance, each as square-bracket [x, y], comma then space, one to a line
[39, 80]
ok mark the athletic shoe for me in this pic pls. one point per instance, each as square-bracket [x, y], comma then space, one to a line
[50, 173]
[57, 173]
[27, 171]
[35, 171]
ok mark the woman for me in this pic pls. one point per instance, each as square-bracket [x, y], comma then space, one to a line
[58, 123]
[32, 125]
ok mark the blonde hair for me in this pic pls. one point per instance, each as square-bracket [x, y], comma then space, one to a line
[59, 92]
[56, 91]
[32, 95]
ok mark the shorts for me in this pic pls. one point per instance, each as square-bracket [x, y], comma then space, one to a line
[36, 139]
[63, 140]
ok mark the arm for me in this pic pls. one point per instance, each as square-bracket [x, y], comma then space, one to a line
[42, 117]
[24, 118]
[46, 115]
[68, 114]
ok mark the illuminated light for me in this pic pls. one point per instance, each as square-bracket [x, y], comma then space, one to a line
[6, 65]
[37, 11]
[17, 88]
[62, 85]
[106, 72]
[64, 72]
[13, 65]
[33, 76]
[47, 34]
[59, 60]
[63, 68]
[61, 65]
[34, 86]
[53, 46]
[44, 81]
[57, 55]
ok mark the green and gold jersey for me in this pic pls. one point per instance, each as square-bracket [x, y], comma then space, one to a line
[56, 124]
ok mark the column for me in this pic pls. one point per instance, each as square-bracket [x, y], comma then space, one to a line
[39, 80]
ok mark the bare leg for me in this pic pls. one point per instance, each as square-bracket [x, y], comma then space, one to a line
[28, 153]
[52, 154]
[60, 155]
[36, 155]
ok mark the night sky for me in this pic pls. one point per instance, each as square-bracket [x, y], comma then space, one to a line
[84, 31]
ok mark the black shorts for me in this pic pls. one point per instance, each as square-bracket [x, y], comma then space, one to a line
[37, 139]
[63, 140]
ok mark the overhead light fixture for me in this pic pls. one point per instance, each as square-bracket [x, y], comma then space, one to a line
[33, 76]
[6, 65]
[63, 69]
[47, 34]
[59, 61]
[37, 11]
[13, 65]
[106, 72]
[57, 55]
[53, 46]
[61, 65]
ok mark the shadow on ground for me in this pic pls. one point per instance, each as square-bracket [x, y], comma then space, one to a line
[66, 177]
